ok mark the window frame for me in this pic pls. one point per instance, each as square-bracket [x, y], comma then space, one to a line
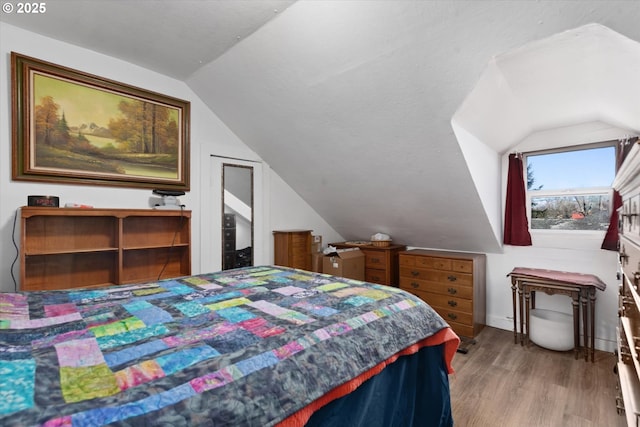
[586, 191]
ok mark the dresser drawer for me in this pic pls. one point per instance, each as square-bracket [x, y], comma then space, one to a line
[463, 330]
[375, 276]
[407, 260]
[375, 259]
[451, 277]
[300, 244]
[450, 314]
[432, 262]
[450, 302]
[301, 261]
[446, 264]
[456, 290]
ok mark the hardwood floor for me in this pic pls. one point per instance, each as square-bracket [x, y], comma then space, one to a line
[502, 384]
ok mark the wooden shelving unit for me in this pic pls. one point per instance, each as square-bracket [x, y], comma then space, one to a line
[627, 183]
[65, 248]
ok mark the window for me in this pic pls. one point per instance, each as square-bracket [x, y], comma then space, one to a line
[571, 189]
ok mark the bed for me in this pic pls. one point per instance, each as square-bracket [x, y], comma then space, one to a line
[255, 346]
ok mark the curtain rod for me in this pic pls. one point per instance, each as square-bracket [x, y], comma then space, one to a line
[574, 147]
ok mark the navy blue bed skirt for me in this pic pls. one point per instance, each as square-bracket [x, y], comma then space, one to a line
[413, 391]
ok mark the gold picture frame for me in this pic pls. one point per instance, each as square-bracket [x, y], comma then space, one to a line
[77, 128]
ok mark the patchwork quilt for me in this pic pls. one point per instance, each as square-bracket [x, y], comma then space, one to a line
[241, 347]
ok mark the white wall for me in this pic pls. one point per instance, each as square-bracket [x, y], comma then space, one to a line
[208, 136]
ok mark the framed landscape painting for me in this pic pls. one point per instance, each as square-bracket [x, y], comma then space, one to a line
[77, 128]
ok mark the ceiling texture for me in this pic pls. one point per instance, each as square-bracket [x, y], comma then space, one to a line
[352, 102]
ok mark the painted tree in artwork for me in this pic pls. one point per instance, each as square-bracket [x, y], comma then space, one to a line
[145, 128]
[46, 118]
[51, 129]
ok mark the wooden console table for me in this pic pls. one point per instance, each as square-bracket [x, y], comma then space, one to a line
[525, 282]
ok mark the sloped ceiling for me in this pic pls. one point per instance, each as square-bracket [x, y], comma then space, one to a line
[351, 102]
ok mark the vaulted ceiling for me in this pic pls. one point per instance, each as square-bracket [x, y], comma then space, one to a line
[385, 116]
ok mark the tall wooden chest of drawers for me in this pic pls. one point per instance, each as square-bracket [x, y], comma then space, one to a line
[380, 262]
[453, 283]
[292, 248]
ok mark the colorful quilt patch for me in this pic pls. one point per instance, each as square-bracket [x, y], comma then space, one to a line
[289, 290]
[79, 353]
[153, 315]
[235, 314]
[85, 383]
[332, 286]
[17, 380]
[196, 335]
[228, 303]
[59, 309]
[179, 360]
[192, 308]
[111, 341]
[44, 321]
[315, 309]
[128, 354]
[118, 327]
[140, 373]
[148, 291]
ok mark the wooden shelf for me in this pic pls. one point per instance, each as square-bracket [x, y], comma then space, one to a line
[65, 248]
[629, 386]
[70, 251]
[138, 248]
[627, 183]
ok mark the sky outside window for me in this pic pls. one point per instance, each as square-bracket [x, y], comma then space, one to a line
[573, 169]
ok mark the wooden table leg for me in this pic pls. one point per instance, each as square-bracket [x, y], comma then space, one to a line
[521, 300]
[585, 323]
[576, 323]
[515, 328]
[527, 298]
[592, 297]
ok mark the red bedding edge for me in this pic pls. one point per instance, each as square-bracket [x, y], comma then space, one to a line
[445, 336]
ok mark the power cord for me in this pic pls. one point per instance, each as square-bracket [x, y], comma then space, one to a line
[15, 245]
[173, 242]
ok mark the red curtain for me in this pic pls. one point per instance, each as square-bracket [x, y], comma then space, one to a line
[611, 240]
[516, 226]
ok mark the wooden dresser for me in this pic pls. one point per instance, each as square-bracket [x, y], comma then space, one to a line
[380, 262]
[64, 248]
[627, 183]
[292, 248]
[453, 283]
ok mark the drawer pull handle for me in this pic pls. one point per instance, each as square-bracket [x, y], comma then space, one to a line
[415, 273]
[452, 316]
[415, 285]
[452, 278]
[452, 303]
[624, 258]
[452, 291]
[375, 261]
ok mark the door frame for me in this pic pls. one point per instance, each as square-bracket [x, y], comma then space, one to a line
[211, 221]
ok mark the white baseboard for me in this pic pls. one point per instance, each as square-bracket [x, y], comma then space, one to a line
[507, 325]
